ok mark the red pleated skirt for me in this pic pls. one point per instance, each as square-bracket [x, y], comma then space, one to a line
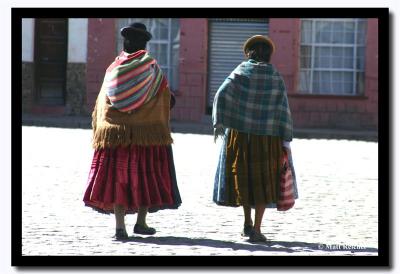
[135, 176]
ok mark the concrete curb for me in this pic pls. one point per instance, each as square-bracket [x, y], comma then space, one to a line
[198, 128]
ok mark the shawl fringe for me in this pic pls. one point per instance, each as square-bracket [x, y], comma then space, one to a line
[148, 126]
[111, 136]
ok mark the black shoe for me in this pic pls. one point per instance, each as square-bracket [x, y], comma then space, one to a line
[120, 234]
[247, 230]
[146, 230]
[256, 237]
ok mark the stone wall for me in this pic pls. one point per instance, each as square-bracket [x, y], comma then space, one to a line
[76, 89]
[27, 86]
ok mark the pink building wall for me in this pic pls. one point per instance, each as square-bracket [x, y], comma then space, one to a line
[101, 52]
[285, 34]
[322, 111]
[191, 95]
[309, 111]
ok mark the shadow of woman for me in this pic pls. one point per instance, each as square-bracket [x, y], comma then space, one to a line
[272, 246]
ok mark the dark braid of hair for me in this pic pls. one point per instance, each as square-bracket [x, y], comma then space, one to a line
[259, 52]
[134, 43]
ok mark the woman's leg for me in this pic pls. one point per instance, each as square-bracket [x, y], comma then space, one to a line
[141, 227]
[260, 208]
[247, 215]
[120, 230]
[141, 217]
[256, 235]
[119, 212]
[248, 222]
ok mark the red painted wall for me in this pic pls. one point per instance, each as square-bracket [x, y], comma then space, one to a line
[191, 96]
[309, 111]
[320, 111]
[285, 34]
[101, 52]
[371, 72]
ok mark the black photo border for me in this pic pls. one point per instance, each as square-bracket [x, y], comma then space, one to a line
[384, 232]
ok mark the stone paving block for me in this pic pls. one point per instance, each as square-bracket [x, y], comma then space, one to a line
[336, 214]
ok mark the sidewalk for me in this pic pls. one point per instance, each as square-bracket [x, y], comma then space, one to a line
[336, 213]
[198, 128]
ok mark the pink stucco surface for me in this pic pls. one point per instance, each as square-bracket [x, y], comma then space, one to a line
[101, 52]
[285, 34]
[191, 95]
[321, 111]
[309, 111]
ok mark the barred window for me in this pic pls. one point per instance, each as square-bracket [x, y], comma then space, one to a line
[332, 56]
[164, 46]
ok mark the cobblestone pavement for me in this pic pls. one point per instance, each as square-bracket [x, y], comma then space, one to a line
[336, 213]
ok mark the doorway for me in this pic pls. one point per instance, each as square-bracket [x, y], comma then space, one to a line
[51, 48]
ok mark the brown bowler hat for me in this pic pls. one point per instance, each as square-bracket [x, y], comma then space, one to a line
[258, 38]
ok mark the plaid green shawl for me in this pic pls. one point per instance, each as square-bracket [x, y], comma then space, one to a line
[253, 99]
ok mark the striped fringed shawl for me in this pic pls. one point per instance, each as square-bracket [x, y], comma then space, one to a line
[132, 80]
[147, 125]
[253, 100]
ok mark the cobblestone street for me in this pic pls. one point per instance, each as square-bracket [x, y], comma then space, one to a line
[336, 213]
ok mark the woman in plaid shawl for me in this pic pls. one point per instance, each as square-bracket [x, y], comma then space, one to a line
[251, 112]
[133, 168]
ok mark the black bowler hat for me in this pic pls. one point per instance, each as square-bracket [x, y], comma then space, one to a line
[136, 28]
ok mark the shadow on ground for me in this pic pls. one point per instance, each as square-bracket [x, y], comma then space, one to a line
[273, 246]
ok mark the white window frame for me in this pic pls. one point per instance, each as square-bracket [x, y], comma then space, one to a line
[169, 67]
[314, 44]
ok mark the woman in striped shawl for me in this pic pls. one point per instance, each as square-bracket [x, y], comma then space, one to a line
[251, 112]
[133, 168]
